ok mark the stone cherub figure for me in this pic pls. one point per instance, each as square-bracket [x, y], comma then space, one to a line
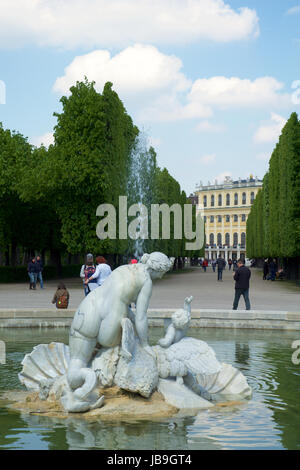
[180, 323]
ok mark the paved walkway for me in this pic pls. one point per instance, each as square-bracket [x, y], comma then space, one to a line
[170, 292]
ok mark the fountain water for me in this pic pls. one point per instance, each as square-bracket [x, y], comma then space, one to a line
[141, 190]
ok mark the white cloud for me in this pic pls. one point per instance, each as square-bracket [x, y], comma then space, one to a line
[169, 107]
[270, 131]
[293, 10]
[115, 23]
[221, 177]
[208, 159]
[136, 69]
[209, 127]
[155, 84]
[45, 139]
[223, 93]
[207, 95]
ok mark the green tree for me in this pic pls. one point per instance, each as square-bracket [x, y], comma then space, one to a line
[273, 227]
[87, 165]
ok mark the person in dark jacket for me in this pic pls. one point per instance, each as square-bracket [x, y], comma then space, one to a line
[39, 270]
[266, 269]
[32, 273]
[272, 269]
[221, 263]
[242, 278]
[234, 263]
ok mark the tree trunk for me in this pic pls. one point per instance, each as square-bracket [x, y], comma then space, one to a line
[55, 260]
[13, 253]
[7, 256]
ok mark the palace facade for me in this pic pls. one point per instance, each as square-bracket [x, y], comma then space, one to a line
[225, 208]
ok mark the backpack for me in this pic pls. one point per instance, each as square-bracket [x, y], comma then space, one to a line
[89, 271]
[62, 301]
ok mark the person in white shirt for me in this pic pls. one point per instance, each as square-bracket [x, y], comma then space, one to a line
[86, 272]
[103, 270]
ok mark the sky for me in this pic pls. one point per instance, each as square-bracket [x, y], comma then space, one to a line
[210, 82]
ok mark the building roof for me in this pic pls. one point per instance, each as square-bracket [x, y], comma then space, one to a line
[229, 183]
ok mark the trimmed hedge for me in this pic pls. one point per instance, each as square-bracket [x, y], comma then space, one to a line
[19, 273]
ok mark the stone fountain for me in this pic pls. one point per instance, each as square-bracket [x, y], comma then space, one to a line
[108, 350]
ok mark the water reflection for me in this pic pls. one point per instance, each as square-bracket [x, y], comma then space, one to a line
[137, 435]
[242, 353]
[270, 420]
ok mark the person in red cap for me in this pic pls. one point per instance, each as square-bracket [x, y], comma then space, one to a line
[133, 261]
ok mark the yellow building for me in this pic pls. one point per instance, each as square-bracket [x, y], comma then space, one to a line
[225, 208]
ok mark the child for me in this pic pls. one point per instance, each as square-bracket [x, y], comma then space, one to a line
[61, 296]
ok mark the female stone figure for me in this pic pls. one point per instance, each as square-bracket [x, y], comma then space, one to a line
[98, 319]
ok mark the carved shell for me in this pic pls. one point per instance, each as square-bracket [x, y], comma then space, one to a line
[44, 363]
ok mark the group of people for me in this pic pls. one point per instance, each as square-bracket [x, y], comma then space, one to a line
[217, 263]
[271, 271]
[93, 275]
[35, 269]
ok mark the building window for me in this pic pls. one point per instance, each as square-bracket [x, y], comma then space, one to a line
[211, 239]
[220, 200]
[227, 218]
[227, 239]
[219, 219]
[235, 239]
[227, 199]
[205, 219]
[205, 201]
[243, 239]
[235, 218]
[243, 217]
[236, 199]
[219, 239]
[212, 201]
[252, 197]
[244, 198]
[212, 219]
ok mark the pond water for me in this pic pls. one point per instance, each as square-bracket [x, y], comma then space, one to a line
[270, 420]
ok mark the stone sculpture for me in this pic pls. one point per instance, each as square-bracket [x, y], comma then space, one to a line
[184, 369]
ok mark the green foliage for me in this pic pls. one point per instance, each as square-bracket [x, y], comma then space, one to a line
[49, 197]
[273, 227]
[21, 223]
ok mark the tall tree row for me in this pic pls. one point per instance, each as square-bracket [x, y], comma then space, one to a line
[49, 197]
[273, 226]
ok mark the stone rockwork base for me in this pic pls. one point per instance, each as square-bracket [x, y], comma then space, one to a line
[119, 405]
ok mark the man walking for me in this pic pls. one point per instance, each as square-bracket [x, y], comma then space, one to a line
[213, 264]
[242, 278]
[221, 265]
[273, 269]
[32, 273]
[39, 270]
